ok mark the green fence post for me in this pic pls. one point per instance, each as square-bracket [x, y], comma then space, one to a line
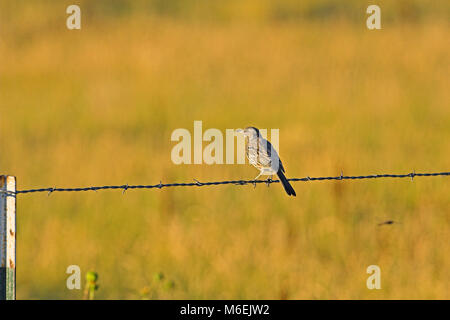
[7, 238]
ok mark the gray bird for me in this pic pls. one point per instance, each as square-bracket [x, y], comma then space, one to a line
[261, 154]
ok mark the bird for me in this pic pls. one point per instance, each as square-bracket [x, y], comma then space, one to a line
[262, 155]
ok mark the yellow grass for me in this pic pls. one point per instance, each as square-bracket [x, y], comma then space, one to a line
[98, 106]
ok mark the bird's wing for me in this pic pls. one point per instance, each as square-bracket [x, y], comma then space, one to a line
[267, 153]
[281, 167]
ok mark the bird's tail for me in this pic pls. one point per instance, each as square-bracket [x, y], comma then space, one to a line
[287, 186]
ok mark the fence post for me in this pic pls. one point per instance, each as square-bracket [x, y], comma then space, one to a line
[7, 238]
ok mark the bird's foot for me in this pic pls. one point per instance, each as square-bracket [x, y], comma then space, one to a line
[254, 180]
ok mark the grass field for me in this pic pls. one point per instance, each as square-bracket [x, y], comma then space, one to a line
[97, 106]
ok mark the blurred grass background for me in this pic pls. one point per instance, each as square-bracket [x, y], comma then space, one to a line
[97, 106]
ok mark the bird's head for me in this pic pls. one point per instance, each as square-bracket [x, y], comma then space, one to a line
[249, 132]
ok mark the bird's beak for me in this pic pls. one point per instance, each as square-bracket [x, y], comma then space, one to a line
[239, 130]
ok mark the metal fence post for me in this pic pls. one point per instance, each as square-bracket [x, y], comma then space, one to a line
[7, 238]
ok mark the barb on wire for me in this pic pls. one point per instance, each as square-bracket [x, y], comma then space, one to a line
[197, 183]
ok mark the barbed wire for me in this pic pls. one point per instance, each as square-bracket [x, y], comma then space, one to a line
[197, 183]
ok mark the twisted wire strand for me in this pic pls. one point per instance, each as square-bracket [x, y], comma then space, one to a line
[197, 183]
